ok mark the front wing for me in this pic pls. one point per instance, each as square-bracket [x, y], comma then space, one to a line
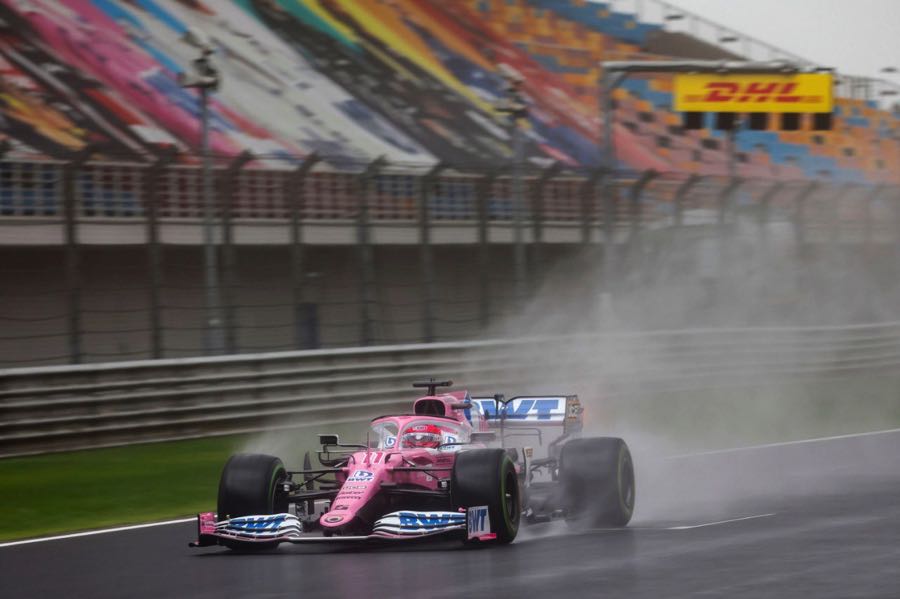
[473, 524]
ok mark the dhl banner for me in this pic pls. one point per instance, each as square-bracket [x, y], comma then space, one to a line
[753, 93]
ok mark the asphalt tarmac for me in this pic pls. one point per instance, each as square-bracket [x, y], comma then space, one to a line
[814, 520]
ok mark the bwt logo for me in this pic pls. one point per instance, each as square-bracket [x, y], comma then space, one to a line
[543, 409]
[361, 476]
[422, 520]
[258, 523]
[477, 520]
[755, 91]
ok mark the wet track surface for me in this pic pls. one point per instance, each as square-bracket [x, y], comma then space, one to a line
[820, 519]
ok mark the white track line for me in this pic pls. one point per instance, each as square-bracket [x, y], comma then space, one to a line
[782, 444]
[719, 522]
[88, 533]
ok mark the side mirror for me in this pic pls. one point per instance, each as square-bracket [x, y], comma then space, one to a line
[329, 440]
[488, 437]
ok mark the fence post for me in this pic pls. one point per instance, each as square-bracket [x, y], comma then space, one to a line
[637, 189]
[610, 216]
[799, 205]
[834, 216]
[427, 185]
[726, 199]
[366, 184]
[765, 204]
[680, 194]
[484, 259]
[587, 195]
[537, 219]
[153, 175]
[896, 206]
[229, 261]
[72, 254]
[295, 200]
[871, 199]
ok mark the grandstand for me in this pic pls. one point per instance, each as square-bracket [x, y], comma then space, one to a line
[412, 80]
[100, 237]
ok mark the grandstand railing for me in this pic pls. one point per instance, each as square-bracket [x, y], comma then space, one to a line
[122, 191]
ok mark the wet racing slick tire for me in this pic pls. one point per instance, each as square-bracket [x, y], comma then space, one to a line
[251, 485]
[488, 477]
[597, 477]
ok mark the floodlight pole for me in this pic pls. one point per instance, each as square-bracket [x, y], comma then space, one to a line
[515, 107]
[609, 81]
[206, 79]
[519, 207]
[214, 341]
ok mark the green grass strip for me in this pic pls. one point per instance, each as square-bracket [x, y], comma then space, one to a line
[62, 492]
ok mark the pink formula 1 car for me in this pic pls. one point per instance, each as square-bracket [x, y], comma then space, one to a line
[446, 469]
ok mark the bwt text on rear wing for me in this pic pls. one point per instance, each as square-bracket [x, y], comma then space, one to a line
[558, 410]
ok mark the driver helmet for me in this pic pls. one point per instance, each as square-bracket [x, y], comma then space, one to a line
[423, 435]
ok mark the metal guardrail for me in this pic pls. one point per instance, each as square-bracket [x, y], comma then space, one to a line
[70, 407]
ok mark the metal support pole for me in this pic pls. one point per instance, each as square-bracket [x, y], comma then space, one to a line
[516, 109]
[484, 256]
[610, 193]
[637, 189]
[763, 211]
[214, 342]
[295, 200]
[868, 216]
[518, 208]
[609, 81]
[588, 191]
[154, 251]
[366, 257]
[427, 186]
[895, 204]
[834, 215]
[229, 259]
[73, 275]
[634, 252]
[537, 219]
[205, 79]
[726, 199]
[765, 204]
[732, 150]
[72, 252]
[680, 194]
[799, 205]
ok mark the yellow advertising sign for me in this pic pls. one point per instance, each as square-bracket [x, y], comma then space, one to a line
[806, 92]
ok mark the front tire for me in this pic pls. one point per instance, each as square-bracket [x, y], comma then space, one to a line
[597, 476]
[250, 485]
[488, 477]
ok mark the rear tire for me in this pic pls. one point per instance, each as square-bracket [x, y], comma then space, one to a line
[250, 485]
[488, 477]
[597, 476]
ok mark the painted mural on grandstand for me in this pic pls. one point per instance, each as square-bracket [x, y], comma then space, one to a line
[415, 81]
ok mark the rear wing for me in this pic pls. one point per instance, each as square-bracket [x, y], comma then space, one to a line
[532, 410]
